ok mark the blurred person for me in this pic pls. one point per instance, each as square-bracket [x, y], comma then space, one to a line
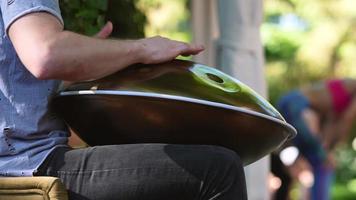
[289, 171]
[323, 114]
[35, 55]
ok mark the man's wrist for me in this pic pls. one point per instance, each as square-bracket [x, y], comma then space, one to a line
[139, 51]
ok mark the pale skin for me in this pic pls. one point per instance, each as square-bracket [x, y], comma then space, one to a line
[49, 52]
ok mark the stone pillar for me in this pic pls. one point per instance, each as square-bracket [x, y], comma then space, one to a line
[234, 46]
[205, 29]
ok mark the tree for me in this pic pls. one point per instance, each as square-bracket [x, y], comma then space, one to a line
[307, 41]
[87, 16]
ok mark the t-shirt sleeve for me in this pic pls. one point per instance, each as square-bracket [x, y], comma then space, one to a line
[14, 9]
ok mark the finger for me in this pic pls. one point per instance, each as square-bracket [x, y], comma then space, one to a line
[191, 53]
[192, 50]
[105, 31]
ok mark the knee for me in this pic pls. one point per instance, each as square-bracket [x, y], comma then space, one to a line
[225, 174]
[227, 161]
[206, 160]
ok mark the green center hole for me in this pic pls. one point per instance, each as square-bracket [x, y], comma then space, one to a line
[215, 78]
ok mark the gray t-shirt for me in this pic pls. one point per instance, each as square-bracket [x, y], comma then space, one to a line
[29, 131]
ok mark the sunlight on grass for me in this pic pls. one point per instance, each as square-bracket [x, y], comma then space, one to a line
[342, 192]
[351, 186]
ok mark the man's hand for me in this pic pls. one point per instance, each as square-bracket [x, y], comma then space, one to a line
[105, 31]
[159, 49]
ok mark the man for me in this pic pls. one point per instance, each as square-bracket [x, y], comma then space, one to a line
[35, 54]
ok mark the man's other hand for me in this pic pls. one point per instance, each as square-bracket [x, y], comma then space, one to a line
[105, 31]
[159, 49]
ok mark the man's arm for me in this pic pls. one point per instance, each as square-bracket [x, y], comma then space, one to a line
[49, 52]
[312, 120]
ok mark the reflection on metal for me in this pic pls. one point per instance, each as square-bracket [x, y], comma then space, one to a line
[215, 78]
[177, 102]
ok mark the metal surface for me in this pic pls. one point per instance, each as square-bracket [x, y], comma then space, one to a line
[177, 102]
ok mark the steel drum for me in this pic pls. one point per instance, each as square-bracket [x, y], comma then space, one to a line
[178, 102]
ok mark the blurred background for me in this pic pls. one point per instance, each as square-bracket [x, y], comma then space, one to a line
[304, 41]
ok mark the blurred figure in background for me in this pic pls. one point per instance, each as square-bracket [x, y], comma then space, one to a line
[323, 114]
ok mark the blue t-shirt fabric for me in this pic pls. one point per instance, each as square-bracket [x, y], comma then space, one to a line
[29, 130]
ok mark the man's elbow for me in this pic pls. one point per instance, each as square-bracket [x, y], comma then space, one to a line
[41, 72]
[42, 64]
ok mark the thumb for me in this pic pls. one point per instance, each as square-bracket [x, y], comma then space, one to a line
[105, 31]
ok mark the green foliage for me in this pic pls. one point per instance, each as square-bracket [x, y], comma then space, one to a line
[128, 20]
[88, 16]
[341, 192]
[346, 168]
[320, 45]
[131, 18]
[84, 16]
[281, 44]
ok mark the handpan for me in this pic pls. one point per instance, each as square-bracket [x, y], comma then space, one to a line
[178, 102]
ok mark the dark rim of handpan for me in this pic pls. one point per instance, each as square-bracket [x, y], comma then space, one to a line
[290, 129]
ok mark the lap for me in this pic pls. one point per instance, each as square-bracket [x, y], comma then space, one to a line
[133, 155]
[141, 169]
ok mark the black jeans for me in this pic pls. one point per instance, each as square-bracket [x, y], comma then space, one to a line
[148, 171]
